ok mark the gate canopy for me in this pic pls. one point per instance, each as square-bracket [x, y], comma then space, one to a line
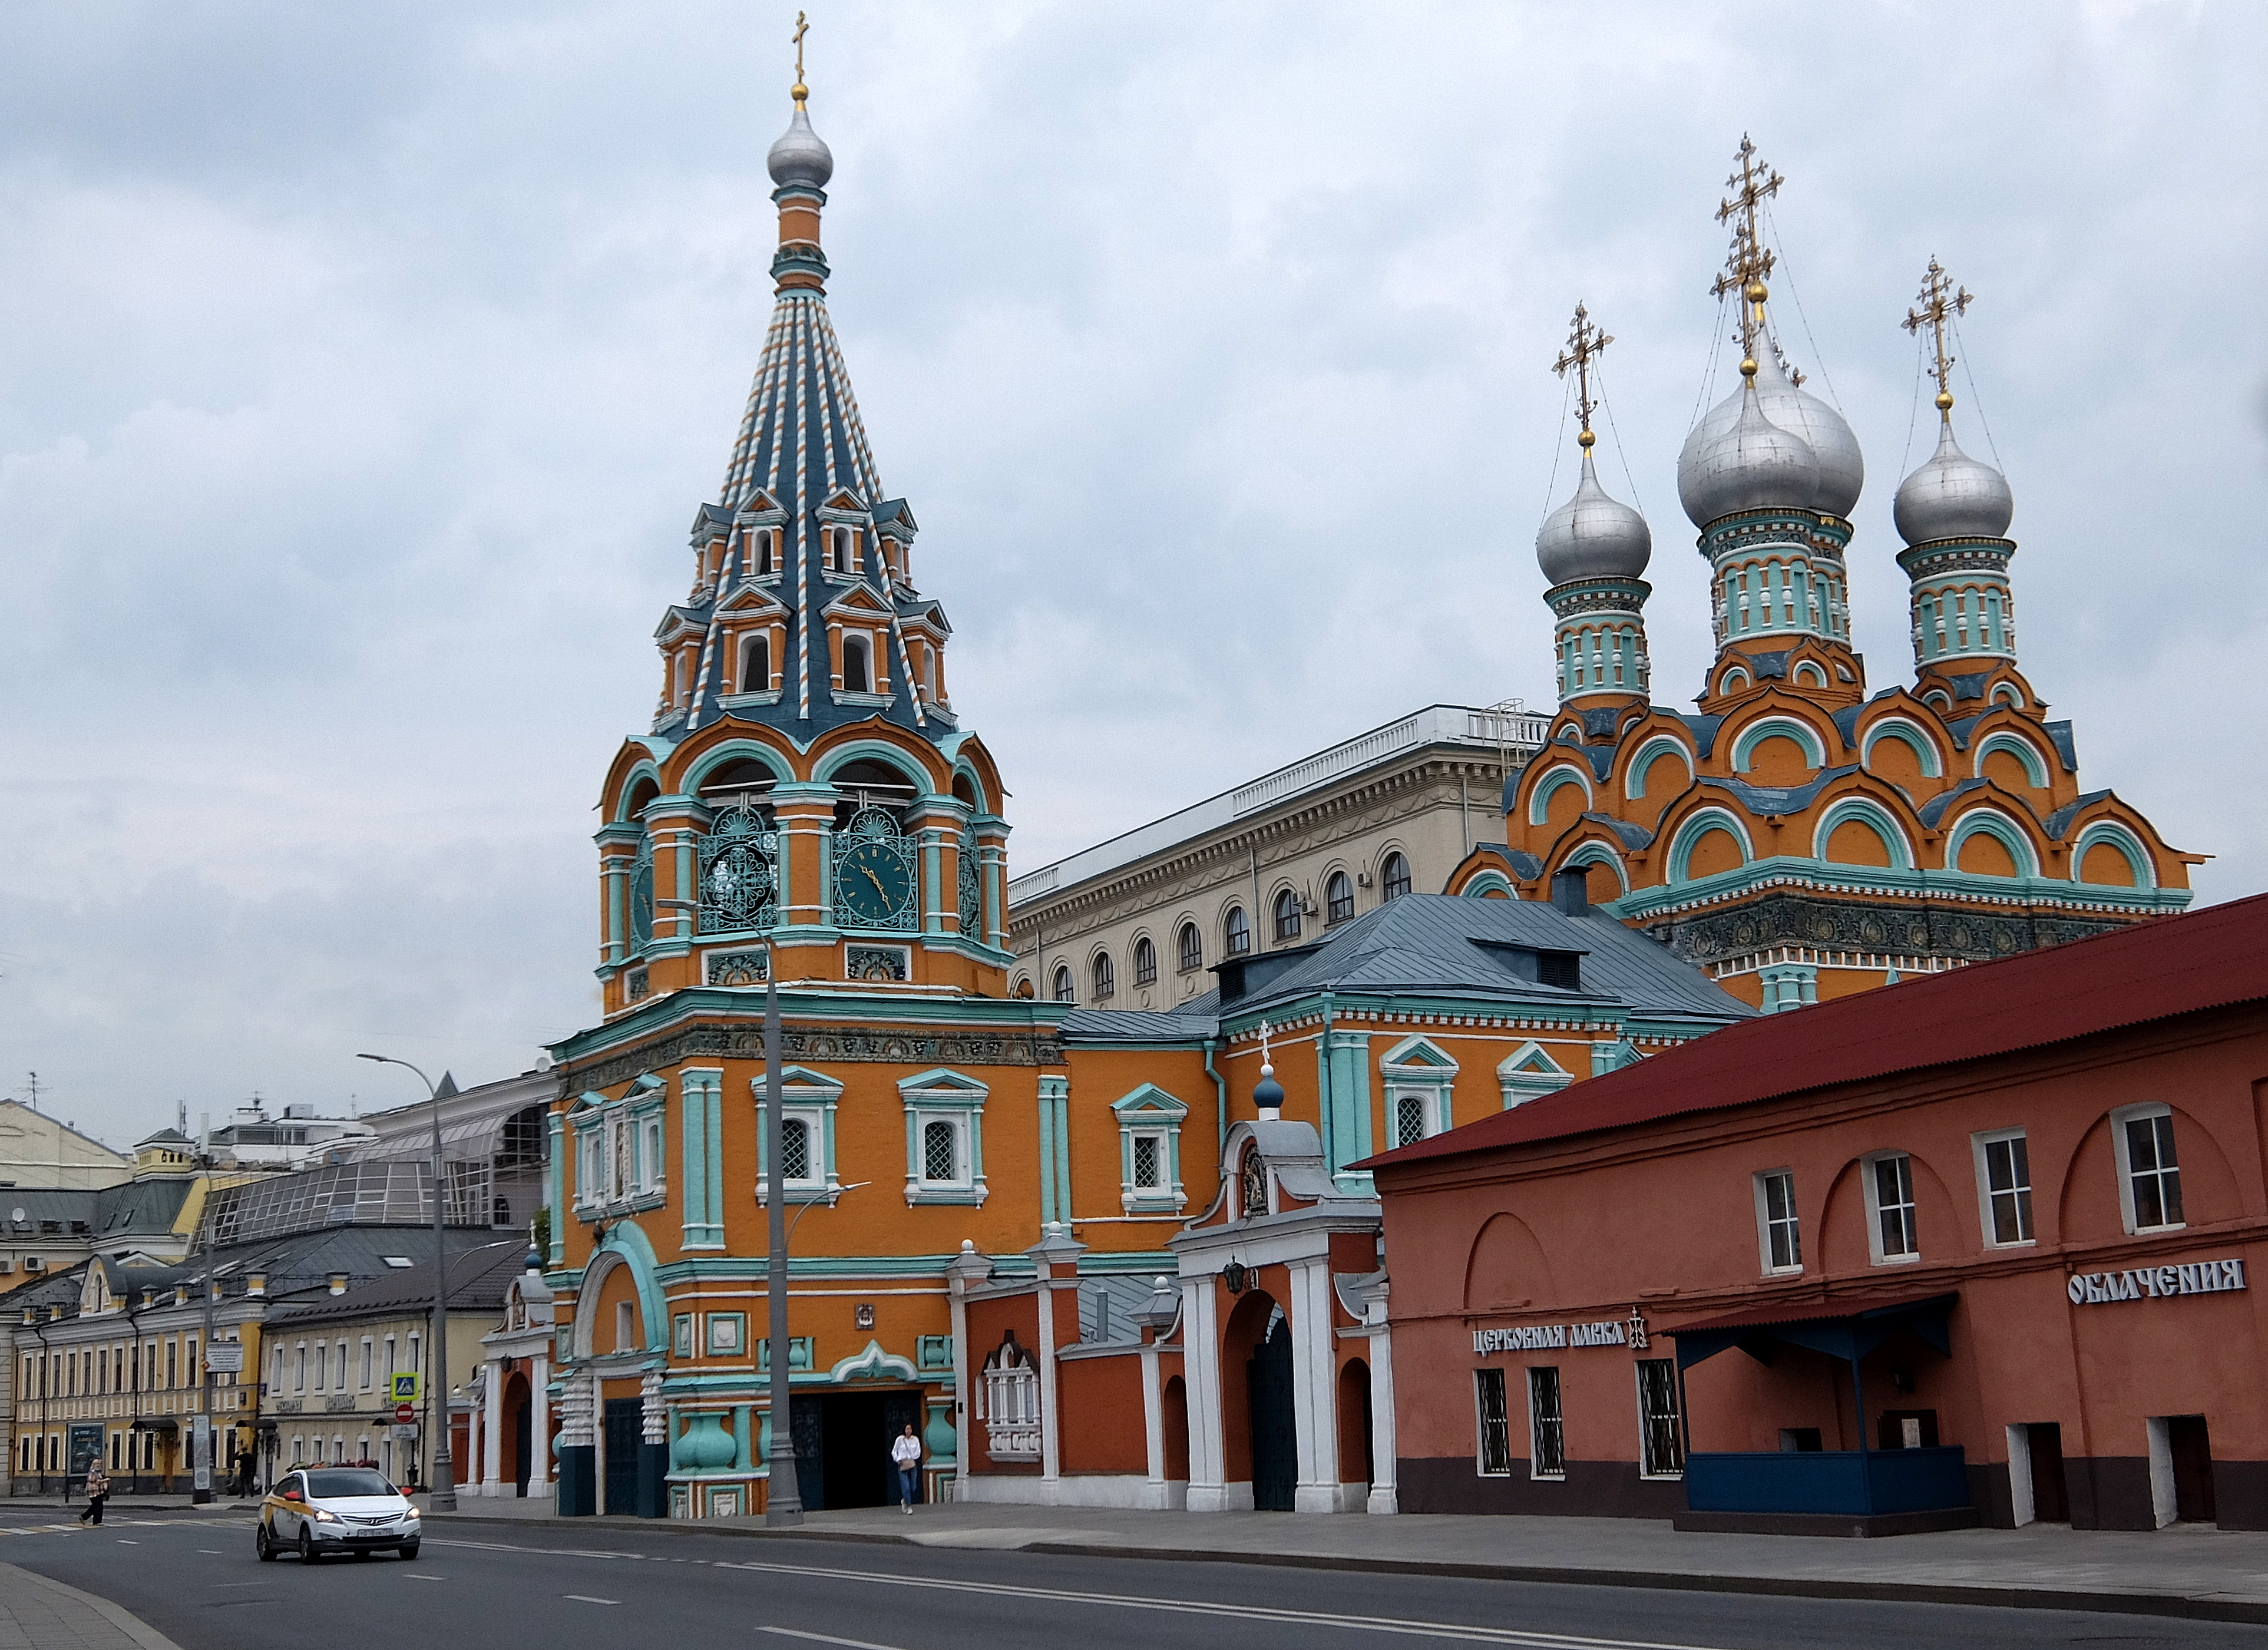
[1848, 1330]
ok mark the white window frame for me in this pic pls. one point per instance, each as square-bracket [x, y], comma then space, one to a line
[1535, 1423]
[1766, 1220]
[1980, 1146]
[1420, 1069]
[1868, 1175]
[1149, 1113]
[810, 1098]
[625, 1327]
[1482, 1423]
[945, 1096]
[2119, 1119]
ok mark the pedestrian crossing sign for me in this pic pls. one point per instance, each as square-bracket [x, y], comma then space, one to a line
[403, 1389]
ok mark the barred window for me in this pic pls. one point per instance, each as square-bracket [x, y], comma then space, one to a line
[1338, 898]
[1493, 1425]
[940, 1152]
[1148, 1162]
[1547, 1456]
[1408, 1119]
[1192, 948]
[1145, 962]
[1661, 1453]
[1394, 877]
[795, 1148]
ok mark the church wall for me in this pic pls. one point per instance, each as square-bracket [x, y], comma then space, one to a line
[1103, 1429]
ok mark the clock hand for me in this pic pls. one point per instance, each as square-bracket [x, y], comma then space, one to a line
[870, 876]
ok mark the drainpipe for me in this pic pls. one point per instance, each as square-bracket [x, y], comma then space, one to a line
[1220, 1092]
[1323, 1090]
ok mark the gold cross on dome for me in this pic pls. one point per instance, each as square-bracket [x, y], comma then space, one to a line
[1585, 341]
[1749, 261]
[802, 28]
[1940, 303]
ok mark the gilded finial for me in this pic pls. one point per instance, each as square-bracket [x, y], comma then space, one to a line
[1749, 261]
[1940, 303]
[1585, 341]
[799, 91]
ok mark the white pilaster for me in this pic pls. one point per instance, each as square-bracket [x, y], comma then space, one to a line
[539, 1474]
[1314, 1408]
[492, 1427]
[1201, 1373]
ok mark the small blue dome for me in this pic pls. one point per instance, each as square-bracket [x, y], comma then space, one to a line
[1268, 1093]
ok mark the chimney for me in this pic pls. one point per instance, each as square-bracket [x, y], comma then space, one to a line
[149, 1300]
[1570, 892]
[255, 1285]
[338, 1283]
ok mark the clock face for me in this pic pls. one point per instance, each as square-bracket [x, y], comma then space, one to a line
[873, 885]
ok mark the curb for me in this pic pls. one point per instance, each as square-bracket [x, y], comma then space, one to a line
[133, 1626]
[2181, 1606]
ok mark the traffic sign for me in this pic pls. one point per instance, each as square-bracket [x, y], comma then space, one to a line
[403, 1388]
[405, 1412]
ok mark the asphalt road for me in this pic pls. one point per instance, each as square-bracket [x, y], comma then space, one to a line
[194, 1577]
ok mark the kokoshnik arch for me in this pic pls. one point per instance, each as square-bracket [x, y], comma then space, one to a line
[1797, 836]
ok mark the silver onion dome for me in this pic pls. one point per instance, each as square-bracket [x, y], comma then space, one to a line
[1953, 496]
[1749, 463]
[1593, 536]
[1842, 469]
[800, 156]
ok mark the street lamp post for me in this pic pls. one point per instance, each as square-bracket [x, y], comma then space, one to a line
[444, 1487]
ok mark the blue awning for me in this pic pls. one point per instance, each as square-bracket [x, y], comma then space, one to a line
[1847, 1329]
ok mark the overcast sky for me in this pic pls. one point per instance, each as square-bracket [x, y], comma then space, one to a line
[361, 367]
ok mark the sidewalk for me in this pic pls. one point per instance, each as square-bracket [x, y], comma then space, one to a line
[37, 1614]
[2189, 1570]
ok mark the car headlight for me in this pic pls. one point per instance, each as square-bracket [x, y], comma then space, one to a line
[325, 1516]
[409, 1512]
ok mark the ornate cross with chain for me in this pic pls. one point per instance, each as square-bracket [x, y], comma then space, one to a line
[1940, 302]
[1585, 341]
[1749, 261]
[802, 28]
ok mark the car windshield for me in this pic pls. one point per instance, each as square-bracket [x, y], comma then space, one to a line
[352, 1481]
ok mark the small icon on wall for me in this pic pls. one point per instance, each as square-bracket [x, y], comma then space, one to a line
[865, 1311]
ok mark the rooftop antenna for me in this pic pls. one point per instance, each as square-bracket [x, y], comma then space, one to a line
[32, 1088]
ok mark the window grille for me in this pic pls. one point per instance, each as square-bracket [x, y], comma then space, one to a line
[1493, 1425]
[2152, 1172]
[1147, 1162]
[1287, 916]
[1408, 1119]
[1338, 894]
[1104, 976]
[2008, 1188]
[1145, 962]
[1547, 1447]
[642, 894]
[795, 1149]
[1236, 929]
[972, 889]
[1783, 1236]
[1894, 1206]
[1191, 949]
[1661, 1453]
[1394, 876]
[940, 1152]
[1011, 1408]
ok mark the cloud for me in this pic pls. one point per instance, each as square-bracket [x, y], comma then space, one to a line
[360, 367]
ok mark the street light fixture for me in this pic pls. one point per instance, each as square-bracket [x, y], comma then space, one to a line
[444, 1487]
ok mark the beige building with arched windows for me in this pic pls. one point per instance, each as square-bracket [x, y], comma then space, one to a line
[1135, 922]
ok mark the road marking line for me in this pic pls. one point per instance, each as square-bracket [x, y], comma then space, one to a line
[124, 1543]
[210, 1552]
[585, 1598]
[426, 1575]
[826, 1637]
[1397, 1625]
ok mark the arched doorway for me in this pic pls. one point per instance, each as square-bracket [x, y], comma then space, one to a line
[1354, 1425]
[1275, 1430]
[1176, 1423]
[519, 1423]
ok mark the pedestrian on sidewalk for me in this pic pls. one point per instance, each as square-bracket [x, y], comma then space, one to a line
[906, 1451]
[243, 1474]
[98, 1492]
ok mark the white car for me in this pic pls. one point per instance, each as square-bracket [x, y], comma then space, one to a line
[318, 1511]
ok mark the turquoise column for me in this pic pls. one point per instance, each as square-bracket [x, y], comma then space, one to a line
[700, 1115]
[714, 1155]
[1047, 1216]
[742, 1456]
[558, 1255]
[1349, 1076]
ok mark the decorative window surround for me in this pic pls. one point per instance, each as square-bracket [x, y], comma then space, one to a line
[1150, 1136]
[810, 1098]
[946, 1097]
[1529, 1072]
[1418, 1076]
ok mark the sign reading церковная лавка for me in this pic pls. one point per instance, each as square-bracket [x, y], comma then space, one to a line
[1543, 1336]
[2201, 1277]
